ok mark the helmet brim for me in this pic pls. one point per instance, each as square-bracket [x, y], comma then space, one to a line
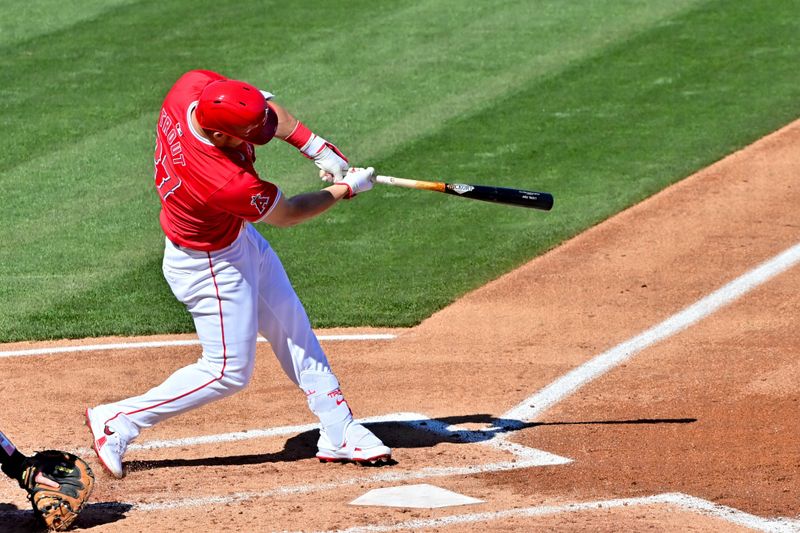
[237, 109]
[264, 132]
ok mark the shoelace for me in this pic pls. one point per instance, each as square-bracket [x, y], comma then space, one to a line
[115, 441]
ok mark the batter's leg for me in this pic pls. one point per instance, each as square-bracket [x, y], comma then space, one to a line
[283, 321]
[215, 288]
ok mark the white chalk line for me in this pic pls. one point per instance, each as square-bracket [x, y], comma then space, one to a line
[682, 501]
[566, 385]
[165, 344]
[415, 420]
[538, 403]
[251, 434]
[383, 477]
[526, 457]
[535, 404]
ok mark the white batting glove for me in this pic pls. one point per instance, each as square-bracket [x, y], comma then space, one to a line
[358, 180]
[326, 156]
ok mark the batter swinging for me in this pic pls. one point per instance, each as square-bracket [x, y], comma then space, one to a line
[226, 273]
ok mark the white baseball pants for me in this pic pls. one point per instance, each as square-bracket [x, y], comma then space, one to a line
[233, 294]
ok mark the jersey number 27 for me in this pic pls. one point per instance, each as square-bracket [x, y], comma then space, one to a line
[165, 183]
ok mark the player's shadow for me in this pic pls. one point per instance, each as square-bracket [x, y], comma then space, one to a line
[468, 429]
[15, 520]
[422, 433]
[102, 513]
[298, 447]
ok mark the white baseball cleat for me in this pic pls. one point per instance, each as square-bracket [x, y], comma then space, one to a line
[108, 444]
[360, 446]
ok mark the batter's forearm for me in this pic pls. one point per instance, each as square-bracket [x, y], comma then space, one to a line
[306, 206]
[286, 121]
[325, 154]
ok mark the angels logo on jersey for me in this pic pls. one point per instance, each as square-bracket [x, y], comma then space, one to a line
[261, 202]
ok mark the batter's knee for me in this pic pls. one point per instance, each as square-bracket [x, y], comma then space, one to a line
[236, 379]
[231, 376]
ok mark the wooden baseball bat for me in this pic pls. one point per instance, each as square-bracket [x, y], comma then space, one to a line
[501, 195]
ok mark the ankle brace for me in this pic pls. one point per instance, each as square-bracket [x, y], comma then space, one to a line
[325, 399]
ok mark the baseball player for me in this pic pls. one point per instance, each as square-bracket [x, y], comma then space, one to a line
[58, 483]
[226, 273]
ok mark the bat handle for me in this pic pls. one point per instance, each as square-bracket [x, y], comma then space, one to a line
[390, 180]
[411, 184]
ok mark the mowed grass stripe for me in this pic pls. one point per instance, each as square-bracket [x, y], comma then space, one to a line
[408, 253]
[602, 136]
[101, 176]
[495, 55]
[23, 20]
[118, 66]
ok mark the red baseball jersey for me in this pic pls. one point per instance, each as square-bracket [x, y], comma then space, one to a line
[207, 193]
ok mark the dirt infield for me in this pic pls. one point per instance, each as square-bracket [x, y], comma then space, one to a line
[689, 424]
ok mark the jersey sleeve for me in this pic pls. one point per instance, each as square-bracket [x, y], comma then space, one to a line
[246, 196]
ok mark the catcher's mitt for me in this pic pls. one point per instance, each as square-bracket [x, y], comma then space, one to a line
[57, 507]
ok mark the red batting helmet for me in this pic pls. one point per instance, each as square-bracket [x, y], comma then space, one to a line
[237, 109]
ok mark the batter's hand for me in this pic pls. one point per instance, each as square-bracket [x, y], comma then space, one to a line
[358, 180]
[328, 158]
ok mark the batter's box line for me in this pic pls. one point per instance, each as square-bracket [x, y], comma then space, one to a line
[525, 457]
[54, 350]
[488, 436]
[677, 499]
[682, 501]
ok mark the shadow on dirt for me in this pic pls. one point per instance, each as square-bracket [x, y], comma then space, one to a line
[406, 434]
[615, 422]
[15, 520]
[299, 447]
[422, 433]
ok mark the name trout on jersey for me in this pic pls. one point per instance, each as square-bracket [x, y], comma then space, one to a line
[172, 132]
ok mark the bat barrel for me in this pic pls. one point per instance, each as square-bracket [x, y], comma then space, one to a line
[503, 195]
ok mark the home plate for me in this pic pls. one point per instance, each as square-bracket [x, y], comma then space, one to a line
[422, 496]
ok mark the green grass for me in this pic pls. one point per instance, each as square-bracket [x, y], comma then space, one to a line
[602, 103]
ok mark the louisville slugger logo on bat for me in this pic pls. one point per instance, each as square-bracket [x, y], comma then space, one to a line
[501, 195]
[459, 188]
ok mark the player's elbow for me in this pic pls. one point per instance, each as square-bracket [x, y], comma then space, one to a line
[289, 212]
[282, 222]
